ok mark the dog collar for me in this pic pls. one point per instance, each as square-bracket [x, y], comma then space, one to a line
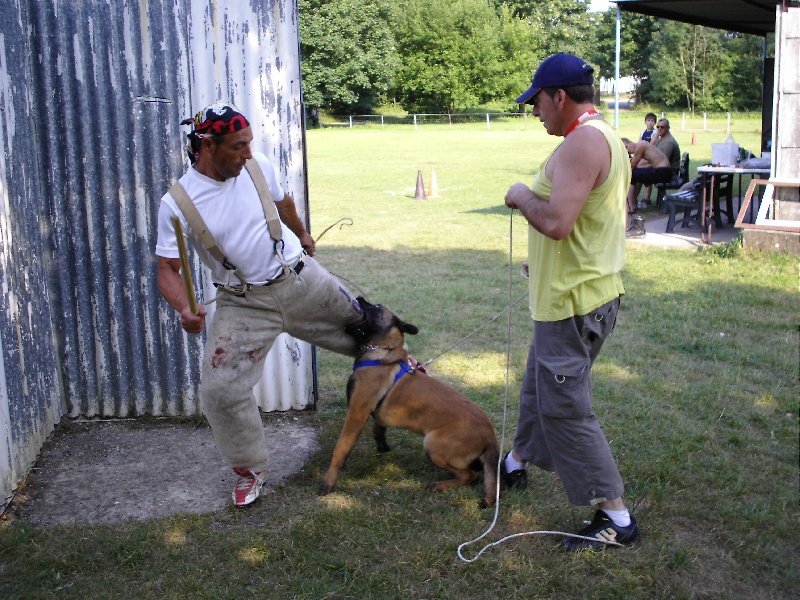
[371, 347]
[404, 368]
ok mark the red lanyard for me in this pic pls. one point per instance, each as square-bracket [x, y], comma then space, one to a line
[580, 120]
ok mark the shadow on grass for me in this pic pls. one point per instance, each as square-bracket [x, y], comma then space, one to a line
[501, 210]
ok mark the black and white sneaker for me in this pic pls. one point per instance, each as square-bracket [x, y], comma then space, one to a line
[518, 478]
[603, 529]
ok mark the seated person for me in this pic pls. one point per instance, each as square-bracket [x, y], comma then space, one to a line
[657, 169]
[668, 145]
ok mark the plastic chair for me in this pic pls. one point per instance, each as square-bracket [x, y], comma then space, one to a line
[691, 201]
[675, 183]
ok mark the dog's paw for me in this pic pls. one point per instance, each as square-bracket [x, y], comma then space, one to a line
[434, 486]
[325, 489]
[486, 503]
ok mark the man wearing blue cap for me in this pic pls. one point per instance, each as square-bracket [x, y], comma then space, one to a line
[576, 249]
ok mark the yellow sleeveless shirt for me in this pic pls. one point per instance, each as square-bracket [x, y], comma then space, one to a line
[581, 272]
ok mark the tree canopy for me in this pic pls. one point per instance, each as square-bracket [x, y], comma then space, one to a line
[458, 54]
[703, 69]
[348, 54]
[454, 55]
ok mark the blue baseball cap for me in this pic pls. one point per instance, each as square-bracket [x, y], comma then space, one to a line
[560, 70]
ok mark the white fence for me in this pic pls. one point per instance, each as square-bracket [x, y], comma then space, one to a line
[422, 119]
[684, 122]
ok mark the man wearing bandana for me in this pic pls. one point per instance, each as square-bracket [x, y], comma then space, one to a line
[265, 287]
[576, 250]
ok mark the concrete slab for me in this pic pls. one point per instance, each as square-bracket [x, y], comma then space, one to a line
[106, 472]
[683, 237]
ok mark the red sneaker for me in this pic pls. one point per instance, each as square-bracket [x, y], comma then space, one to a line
[248, 486]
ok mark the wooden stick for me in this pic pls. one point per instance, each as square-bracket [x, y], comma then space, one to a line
[186, 272]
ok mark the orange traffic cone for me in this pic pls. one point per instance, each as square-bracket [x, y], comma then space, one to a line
[420, 193]
[433, 190]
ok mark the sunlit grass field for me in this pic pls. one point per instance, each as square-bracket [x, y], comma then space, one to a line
[697, 390]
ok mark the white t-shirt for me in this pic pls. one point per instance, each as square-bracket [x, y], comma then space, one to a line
[233, 214]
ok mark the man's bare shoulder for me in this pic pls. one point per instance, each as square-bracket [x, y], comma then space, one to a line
[582, 139]
[585, 146]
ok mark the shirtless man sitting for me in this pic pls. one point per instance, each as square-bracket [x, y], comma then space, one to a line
[648, 166]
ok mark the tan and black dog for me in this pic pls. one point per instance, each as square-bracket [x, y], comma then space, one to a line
[456, 431]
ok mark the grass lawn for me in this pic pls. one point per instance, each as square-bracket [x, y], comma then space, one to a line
[697, 390]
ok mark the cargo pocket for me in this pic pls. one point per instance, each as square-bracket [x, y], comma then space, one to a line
[563, 387]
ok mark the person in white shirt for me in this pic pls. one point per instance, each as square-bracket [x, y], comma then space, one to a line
[266, 287]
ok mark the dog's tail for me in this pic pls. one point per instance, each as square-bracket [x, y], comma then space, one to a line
[490, 458]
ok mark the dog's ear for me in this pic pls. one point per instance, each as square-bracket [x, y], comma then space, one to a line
[406, 327]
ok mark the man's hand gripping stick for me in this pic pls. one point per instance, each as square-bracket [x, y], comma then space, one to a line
[186, 272]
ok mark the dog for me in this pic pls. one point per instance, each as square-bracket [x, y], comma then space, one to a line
[457, 433]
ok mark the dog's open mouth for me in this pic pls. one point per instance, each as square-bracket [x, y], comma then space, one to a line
[359, 330]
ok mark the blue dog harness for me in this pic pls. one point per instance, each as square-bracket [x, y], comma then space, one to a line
[404, 368]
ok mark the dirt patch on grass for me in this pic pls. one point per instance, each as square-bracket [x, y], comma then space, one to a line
[106, 472]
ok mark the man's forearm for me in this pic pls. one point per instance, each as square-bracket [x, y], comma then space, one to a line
[287, 211]
[533, 208]
[171, 287]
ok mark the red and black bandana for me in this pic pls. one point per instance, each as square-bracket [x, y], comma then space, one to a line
[217, 119]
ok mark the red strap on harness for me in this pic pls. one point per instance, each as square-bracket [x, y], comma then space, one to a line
[417, 366]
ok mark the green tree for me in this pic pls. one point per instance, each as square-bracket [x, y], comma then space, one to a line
[687, 59]
[522, 51]
[699, 68]
[743, 84]
[442, 45]
[562, 25]
[348, 53]
[450, 55]
[636, 34]
[458, 54]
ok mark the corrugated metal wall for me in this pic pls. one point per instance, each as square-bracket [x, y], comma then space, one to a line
[91, 96]
[31, 402]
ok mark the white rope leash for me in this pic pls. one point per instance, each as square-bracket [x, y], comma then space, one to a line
[503, 436]
[505, 411]
[485, 325]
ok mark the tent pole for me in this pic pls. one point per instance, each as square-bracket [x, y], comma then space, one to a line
[616, 75]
